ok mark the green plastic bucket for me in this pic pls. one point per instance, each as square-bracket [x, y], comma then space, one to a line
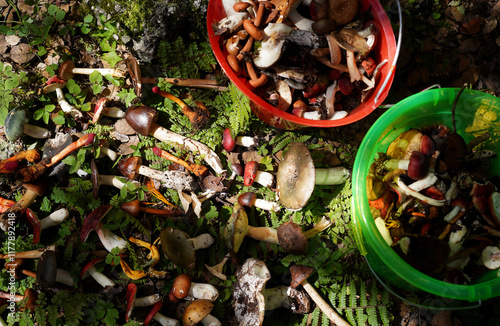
[476, 113]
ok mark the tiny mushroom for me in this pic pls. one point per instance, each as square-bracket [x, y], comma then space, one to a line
[253, 174]
[161, 319]
[67, 71]
[90, 270]
[53, 219]
[297, 176]
[229, 142]
[181, 249]
[143, 120]
[184, 288]
[199, 311]
[299, 274]
[132, 300]
[16, 124]
[132, 167]
[108, 239]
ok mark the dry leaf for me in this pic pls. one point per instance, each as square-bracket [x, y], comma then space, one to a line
[21, 53]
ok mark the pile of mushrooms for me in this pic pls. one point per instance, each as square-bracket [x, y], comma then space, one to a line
[316, 67]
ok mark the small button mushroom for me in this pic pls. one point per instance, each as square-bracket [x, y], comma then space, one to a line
[132, 167]
[99, 180]
[67, 71]
[161, 319]
[299, 274]
[16, 124]
[93, 222]
[90, 270]
[132, 301]
[297, 176]
[491, 257]
[198, 311]
[184, 288]
[253, 174]
[180, 248]
[250, 199]
[143, 120]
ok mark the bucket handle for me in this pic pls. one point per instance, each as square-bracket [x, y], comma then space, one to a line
[396, 55]
[435, 304]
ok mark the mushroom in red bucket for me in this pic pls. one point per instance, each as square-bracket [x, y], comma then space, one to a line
[132, 167]
[90, 270]
[16, 124]
[299, 274]
[297, 176]
[198, 311]
[67, 71]
[180, 248]
[143, 120]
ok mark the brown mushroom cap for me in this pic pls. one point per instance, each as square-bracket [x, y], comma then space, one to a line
[196, 311]
[342, 11]
[129, 167]
[299, 273]
[66, 70]
[94, 177]
[296, 177]
[93, 220]
[141, 118]
[181, 286]
[178, 248]
[292, 239]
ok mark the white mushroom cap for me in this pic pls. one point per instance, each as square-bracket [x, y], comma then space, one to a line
[491, 257]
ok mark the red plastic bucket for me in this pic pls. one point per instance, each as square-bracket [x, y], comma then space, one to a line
[385, 49]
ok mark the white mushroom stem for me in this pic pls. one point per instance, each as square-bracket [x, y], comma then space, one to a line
[424, 183]
[245, 141]
[36, 131]
[100, 278]
[267, 205]
[332, 176]
[115, 181]
[113, 112]
[452, 191]
[102, 71]
[202, 241]
[300, 21]
[330, 99]
[264, 178]
[323, 305]
[210, 320]
[147, 300]
[451, 214]
[407, 191]
[110, 240]
[53, 219]
[106, 151]
[165, 321]
[354, 73]
[209, 155]
[263, 233]
[339, 115]
[312, 115]
[394, 164]
[66, 107]
[63, 276]
[169, 179]
[202, 291]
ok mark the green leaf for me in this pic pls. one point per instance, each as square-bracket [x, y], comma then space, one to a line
[95, 77]
[69, 160]
[12, 83]
[73, 87]
[112, 58]
[52, 9]
[38, 114]
[88, 19]
[60, 15]
[96, 89]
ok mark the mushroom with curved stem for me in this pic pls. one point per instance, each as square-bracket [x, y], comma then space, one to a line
[108, 239]
[161, 319]
[102, 109]
[132, 301]
[229, 142]
[131, 167]
[143, 120]
[90, 270]
[16, 124]
[297, 176]
[216, 270]
[99, 180]
[250, 199]
[33, 190]
[67, 71]
[198, 169]
[253, 174]
[63, 104]
[180, 248]
[299, 274]
[34, 172]
[53, 219]
[198, 311]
